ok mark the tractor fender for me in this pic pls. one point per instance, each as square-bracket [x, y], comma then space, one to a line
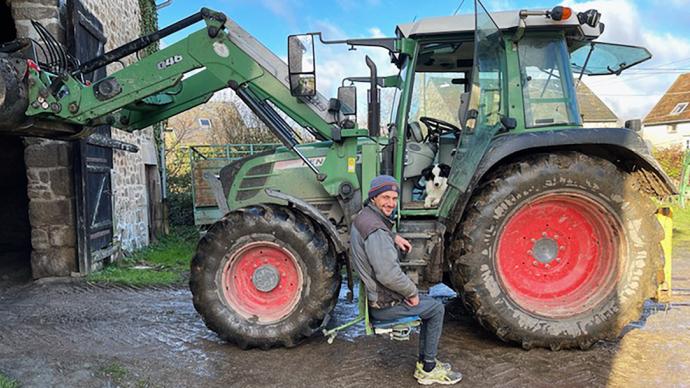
[311, 212]
[621, 146]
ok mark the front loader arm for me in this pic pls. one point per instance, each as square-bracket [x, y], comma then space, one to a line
[173, 80]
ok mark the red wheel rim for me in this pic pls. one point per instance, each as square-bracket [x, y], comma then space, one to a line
[262, 281]
[557, 255]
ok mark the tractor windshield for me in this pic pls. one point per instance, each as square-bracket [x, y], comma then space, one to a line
[437, 95]
[547, 84]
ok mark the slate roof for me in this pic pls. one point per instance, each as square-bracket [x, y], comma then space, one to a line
[592, 108]
[678, 93]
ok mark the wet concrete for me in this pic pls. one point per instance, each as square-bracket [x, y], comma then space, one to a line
[70, 333]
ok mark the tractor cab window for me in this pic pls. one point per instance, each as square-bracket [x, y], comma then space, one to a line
[547, 83]
[437, 109]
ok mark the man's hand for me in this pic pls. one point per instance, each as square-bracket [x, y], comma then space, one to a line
[413, 301]
[403, 244]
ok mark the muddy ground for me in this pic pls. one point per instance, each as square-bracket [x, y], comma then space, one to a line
[70, 333]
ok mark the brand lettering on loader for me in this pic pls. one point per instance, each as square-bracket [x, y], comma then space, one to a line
[164, 64]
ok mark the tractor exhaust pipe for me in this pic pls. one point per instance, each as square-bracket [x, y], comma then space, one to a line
[374, 106]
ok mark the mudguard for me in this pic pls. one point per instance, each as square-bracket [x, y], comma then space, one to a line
[313, 213]
[623, 147]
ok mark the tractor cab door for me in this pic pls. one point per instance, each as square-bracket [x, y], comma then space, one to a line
[487, 105]
[456, 108]
[438, 105]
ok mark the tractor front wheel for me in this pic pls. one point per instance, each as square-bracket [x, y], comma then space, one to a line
[264, 276]
[557, 251]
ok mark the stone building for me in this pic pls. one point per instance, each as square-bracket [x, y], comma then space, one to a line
[68, 206]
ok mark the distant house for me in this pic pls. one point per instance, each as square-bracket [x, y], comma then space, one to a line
[668, 123]
[196, 126]
[594, 112]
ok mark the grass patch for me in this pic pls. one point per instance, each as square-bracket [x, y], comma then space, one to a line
[6, 382]
[114, 371]
[681, 225]
[163, 263]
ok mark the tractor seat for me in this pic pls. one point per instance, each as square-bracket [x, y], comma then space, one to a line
[398, 329]
[394, 322]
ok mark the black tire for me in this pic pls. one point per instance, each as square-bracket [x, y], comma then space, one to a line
[291, 234]
[490, 281]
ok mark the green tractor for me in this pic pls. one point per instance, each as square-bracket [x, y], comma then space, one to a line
[546, 230]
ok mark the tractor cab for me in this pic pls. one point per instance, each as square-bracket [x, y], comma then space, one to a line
[475, 77]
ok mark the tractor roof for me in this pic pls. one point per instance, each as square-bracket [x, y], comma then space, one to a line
[505, 20]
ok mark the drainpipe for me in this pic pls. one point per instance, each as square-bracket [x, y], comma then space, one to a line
[164, 184]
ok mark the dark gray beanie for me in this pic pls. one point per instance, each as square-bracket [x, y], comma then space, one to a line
[381, 184]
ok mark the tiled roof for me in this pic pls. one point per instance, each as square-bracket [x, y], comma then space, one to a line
[678, 93]
[592, 108]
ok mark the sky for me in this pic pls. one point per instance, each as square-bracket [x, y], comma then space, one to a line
[659, 25]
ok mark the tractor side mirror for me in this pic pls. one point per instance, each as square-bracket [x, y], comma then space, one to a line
[635, 125]
[348, 100]
[301, 65]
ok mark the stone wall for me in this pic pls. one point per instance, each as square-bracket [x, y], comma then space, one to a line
[47, 12]
[51, 207]
[130, 199]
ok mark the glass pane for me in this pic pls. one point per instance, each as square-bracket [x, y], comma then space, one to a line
[606, 58]
[301, 53]
[348, 99]
[547, 86]
[489, 70]
[303, 85]
[435, 95]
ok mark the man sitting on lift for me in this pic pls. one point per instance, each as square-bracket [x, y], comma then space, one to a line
[392, 295]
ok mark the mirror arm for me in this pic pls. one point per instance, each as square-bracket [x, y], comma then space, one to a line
[387, 43]
[379, 81]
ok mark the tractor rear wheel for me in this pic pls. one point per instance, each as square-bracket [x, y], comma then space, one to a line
[264, 276]
[557, 251]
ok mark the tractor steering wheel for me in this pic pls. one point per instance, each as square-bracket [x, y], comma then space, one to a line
[436, 127]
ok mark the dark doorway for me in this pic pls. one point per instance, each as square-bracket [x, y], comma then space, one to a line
[15, 229]
[8, 32]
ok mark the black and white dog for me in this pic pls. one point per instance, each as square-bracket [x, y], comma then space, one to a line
[436, 177]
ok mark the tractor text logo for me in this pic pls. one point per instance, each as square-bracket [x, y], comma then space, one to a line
[164, 64]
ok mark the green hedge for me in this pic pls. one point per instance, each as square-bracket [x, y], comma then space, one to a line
[671, 160]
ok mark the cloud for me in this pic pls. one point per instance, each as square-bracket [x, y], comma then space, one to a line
[376, 33]
[283, 9]
[335, 62]
[634, 93]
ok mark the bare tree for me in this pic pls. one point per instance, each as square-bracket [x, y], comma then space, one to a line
[235, 124]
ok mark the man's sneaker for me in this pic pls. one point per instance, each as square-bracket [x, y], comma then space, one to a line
[439, 375]
[420, 367]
